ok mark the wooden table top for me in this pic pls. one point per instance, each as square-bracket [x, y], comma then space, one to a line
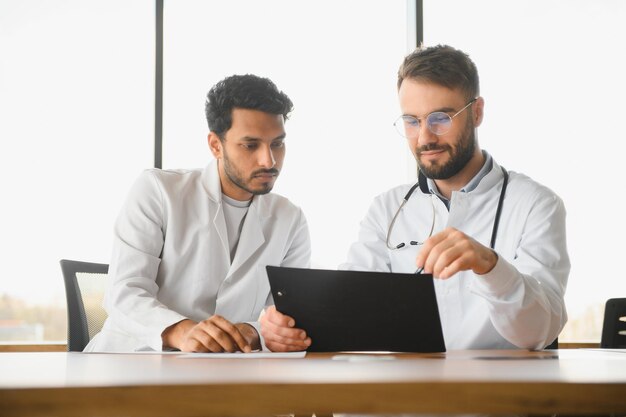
[579, 381]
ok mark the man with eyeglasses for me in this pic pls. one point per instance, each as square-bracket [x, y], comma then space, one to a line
[493, 239]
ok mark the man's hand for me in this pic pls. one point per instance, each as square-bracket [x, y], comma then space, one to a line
[451, 251]
[215, 334]
[279, 332]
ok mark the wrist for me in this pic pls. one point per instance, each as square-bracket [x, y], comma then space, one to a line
[491, 260]
[250, 334]
[174, 335]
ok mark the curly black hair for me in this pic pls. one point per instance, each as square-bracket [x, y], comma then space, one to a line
[246, 92]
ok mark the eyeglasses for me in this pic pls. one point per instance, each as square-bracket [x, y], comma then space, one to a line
[438, 122]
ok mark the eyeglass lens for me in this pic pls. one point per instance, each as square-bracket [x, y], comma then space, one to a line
[438, 123]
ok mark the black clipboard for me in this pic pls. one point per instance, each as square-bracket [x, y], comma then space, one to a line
[360, 311]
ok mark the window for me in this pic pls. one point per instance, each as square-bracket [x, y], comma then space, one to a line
[552, 77]
[338, 63]
[77, 99]
[77, 106]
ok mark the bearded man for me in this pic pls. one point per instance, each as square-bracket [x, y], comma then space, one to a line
[493, 239]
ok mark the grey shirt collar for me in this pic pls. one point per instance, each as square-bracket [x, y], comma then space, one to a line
[470, 186]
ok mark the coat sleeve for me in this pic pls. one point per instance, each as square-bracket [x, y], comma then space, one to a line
[297, 255]
[131, 299]
[526, 294]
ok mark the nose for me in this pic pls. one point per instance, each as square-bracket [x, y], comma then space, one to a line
[425, 135]
[266, 158]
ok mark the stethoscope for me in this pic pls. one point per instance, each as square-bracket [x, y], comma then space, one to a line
[423, 185]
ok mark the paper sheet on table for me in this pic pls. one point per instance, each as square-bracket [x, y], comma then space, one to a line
[241, 355]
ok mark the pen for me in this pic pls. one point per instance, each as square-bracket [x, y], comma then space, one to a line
[419, 270]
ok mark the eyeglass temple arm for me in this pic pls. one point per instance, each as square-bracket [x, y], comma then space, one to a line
[466, 106]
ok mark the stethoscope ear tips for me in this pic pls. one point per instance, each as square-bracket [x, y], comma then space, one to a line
[400, 245]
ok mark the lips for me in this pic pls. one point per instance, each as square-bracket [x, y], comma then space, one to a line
[266, 175]
[432, 150]
[427, 153]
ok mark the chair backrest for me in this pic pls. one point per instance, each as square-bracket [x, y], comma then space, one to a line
[85, 283]
[614, 327]
[554, 344]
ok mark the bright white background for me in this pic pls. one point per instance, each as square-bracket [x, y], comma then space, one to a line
[337, 60]
[76, 126]
[76, 115]
[552, 74]
[77, 100]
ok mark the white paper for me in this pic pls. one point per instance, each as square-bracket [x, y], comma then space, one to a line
[241, 355]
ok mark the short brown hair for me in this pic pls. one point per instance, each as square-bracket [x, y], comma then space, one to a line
[442, 65]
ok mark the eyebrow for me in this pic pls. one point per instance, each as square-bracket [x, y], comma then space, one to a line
[253, 139]
[441, 109]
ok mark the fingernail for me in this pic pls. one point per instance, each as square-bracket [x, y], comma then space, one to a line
[307, 342]
[291, 323]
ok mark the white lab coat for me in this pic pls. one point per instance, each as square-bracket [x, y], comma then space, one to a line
[520, 303]
[171, 257]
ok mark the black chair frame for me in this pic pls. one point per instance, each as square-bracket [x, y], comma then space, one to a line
[77, 329]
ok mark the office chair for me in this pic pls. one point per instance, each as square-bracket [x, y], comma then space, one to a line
[554, 344]
[85, 283]
[614, 326]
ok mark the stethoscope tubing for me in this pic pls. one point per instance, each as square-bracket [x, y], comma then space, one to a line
[422, 184]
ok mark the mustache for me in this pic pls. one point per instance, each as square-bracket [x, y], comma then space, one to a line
[432, 147]
[272, 171]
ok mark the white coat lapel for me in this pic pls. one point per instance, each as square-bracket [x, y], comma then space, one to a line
[211, 183]
[219, 223]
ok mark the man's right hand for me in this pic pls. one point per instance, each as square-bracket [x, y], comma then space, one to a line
[215, 334]
[280, 334]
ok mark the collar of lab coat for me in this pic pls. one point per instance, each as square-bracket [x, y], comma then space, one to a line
[252, 236]
[490, 180]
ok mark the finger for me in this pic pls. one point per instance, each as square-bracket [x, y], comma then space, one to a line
[192, 345]
[285, 335]
[432, 255]
[456, 266]
[290, 332]
[425, 253]
[226, 334]
[285, 347]
[276, 317]
[301, 343]
[445, 249]
[198, 340]
[464, 254]
[446, 257]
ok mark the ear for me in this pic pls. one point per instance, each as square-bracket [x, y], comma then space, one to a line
[215, 144]
[478, 111]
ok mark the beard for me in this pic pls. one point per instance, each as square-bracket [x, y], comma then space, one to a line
[235, 176]
[460, 155]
